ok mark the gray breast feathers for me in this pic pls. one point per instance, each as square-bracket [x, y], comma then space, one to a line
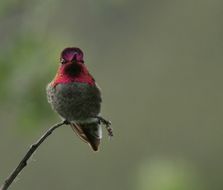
[75, 101]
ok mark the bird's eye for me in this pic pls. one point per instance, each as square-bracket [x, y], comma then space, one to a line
[63, 61]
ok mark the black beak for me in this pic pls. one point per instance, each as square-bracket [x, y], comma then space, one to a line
[74, 59]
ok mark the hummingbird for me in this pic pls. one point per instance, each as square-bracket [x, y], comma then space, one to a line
[76, 97]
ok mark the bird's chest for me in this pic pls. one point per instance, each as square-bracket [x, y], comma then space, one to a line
[75, 101]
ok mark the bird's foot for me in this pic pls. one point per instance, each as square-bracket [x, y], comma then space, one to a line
[66, 122]
[107, 125]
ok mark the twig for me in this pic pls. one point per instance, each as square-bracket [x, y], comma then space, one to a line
[31, 150]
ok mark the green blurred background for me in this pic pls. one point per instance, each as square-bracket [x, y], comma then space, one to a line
[159, 64]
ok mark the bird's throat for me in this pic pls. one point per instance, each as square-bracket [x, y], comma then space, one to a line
[72, 70]
[73, 73]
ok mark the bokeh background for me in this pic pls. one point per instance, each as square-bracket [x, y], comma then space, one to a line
[159, 64]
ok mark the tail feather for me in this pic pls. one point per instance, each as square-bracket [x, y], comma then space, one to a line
[89, 133]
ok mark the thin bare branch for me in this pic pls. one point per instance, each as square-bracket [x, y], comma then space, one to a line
[29, 153]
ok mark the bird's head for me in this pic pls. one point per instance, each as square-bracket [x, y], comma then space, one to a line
[72, 54]
[72, 68]
[72, 63]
